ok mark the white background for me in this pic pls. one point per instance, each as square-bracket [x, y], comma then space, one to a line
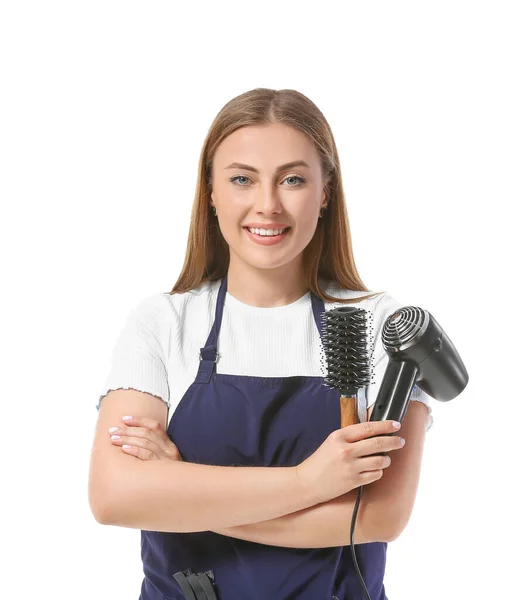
[104, 109]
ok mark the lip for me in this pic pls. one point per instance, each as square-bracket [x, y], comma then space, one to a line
[267, 240]
[267, 225]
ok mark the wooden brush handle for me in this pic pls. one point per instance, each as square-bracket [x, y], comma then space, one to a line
[348, 411]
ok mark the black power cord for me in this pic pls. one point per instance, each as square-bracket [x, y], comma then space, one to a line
[353, 519]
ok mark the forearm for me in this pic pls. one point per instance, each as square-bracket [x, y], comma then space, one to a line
[324, 525]
[177, 496]
[395, 491]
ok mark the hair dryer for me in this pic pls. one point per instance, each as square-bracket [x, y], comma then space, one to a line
[420, 353]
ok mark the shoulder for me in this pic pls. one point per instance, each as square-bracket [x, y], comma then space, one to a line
[196, 301]
[364, 299]
[160, 313]
[152, 311]
[160, 305]
[379, 306]
[386, 305]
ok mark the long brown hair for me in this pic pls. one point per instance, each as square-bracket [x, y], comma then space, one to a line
[329, 254]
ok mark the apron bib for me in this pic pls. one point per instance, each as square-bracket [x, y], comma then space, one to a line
[237, 420]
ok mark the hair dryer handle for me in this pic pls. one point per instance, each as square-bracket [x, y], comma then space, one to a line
[394, 393]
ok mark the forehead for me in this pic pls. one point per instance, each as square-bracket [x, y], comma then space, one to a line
[266, 146]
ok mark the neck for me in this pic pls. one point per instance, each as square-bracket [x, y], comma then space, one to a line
[266, 288]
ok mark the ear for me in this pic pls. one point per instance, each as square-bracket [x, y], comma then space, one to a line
[324, 196]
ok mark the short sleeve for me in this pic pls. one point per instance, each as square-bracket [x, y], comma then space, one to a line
[139, 358]
[383, 308]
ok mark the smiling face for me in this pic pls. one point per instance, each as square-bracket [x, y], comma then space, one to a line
[266, 195]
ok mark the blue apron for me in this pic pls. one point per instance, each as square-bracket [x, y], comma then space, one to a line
[238, 420]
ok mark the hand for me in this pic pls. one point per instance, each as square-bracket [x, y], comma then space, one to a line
[342, 464]
[147, 439]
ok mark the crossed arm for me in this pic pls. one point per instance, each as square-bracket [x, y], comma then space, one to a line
[385, 506]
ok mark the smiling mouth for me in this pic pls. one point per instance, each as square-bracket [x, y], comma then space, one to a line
[267, 240]
[284, 231]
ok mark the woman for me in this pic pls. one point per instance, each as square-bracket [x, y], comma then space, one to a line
[234, 350]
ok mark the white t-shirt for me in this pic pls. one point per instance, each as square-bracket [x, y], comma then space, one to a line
[158, 349]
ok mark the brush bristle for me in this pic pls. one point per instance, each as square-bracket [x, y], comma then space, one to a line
[348, 335]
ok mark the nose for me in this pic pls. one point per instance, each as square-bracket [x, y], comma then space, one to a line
[268, 201]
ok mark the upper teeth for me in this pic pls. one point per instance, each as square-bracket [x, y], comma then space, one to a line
[266, 231]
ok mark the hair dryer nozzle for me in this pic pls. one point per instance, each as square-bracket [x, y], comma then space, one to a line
[412, 334]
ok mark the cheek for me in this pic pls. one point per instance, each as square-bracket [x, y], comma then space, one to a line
[230, 224]
[306, 224]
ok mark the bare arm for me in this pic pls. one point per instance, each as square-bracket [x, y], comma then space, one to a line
[176, 496]
[148, 495]
[324, 525]
[396, 490]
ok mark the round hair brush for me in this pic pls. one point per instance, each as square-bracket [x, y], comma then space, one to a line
[347, 335]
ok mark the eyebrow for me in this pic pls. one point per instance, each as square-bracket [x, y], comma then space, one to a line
[296, 163]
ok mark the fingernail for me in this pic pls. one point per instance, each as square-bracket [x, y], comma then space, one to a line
[113, 429]
[397, 424]
[402, 441]
[126, 418]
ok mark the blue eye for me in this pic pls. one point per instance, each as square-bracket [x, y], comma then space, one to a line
[302, 180]
[233, 179]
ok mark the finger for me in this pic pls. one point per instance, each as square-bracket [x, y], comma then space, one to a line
[138, 442]
[142, 432]
[150, 428]
[147, 422]
[378, 445]
[140, 453]
[367, 429]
